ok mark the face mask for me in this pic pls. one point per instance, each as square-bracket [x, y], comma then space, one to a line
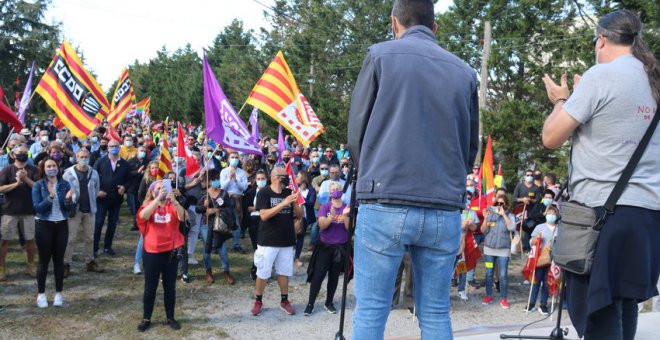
[51, 172]
[209, 154]
[153, 172]
[44, 138]
[128, 144]
[56, 156]
[470, 190]
[233, 162]
[37, 130]
[59, 140]
[261, 183]
[114, 150]
[285, 181]
[271, 161]
[103, 148]
[547, 201]
[215, 183]
[315, 160]
[324, 173]
[142, 154]
[336, 194]
[341, 148]
[218, 157]
[286, 159]
[95, 139]
[551, 218]
[21, 157]
[529, 179]
[83, 161]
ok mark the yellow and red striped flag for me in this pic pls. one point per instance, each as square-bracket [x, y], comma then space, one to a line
[165, 164]
[278, 95]
[122, 100]
[72, 92]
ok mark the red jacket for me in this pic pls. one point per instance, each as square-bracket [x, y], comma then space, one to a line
[161, 232]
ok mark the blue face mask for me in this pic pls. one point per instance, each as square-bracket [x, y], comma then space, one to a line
[315, 160]
[233, 162]
[114, 150]
[51, 172]
[95, 139]
[324, 173]
[529, 179]
[83, 161]
[142, 154]
[547, 201]
[261, 183]
[551, 218]
[215, 183]
[470, 190]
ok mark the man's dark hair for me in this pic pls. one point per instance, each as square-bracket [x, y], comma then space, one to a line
[414, 12]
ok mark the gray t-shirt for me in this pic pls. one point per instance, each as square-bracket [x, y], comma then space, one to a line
[614, 104]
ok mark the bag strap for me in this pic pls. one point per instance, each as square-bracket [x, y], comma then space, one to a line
[630, 167]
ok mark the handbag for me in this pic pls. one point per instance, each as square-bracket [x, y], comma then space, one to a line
[515, 243]
[544, 258]
[577, 234]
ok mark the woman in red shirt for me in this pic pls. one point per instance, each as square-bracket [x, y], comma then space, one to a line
[158, 220]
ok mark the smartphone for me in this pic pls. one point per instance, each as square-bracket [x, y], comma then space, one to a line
[493, 209]
[167, 185]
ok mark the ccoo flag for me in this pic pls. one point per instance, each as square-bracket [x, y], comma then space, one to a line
[122, 100]
[277, 94]
[223, 125]
[72, 92]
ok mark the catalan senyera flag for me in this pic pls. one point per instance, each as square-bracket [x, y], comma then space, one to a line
[165, 164]
[278, 95]
[122, 100]
[488, 182]
[72, 92]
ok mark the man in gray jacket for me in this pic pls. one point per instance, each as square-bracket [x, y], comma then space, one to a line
[85, 181]
[415, 99]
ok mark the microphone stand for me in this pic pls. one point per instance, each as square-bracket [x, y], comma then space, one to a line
[557, 333]
[352, 181]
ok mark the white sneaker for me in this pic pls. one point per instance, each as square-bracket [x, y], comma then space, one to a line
[526, 283]
[463, 295]
[136, 269]
[192, 260]
[42, 302]
[58, 301]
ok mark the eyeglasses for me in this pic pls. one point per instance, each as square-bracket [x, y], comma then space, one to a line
[594, 41]
[499, 204]
[324, 168]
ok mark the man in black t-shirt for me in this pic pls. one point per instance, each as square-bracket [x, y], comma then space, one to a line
[276, 237]
[16, 182]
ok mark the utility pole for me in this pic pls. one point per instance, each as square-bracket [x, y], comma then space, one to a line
[483, 84]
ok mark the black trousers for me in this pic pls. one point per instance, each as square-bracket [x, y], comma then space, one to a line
[157, 265]
[326, 262]
[253, 230]
[51, 239]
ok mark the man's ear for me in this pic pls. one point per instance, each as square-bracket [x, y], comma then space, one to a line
[435, 28]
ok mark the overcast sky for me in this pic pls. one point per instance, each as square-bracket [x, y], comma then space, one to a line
[113, 34]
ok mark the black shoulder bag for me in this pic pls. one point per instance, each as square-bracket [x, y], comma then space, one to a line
[580, 225]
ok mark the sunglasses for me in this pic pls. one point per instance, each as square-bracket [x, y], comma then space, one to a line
[594, 41]
[499, 204]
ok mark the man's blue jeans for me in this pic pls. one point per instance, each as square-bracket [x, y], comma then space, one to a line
[383, 233]
[224, 256]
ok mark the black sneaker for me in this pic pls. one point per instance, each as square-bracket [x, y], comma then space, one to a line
[2, 308]
[474, 284]
[144, 325]
[173, 324]
[308, 310]
[543, 309]
[185, 278]
[109, 251]
[454, 283]
[330, 307]
[530, 308]
[240, 249]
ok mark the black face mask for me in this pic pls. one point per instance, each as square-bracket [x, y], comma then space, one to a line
[21, 157]
[271, 161]
[285, 181]
[103, 147]
[286, 159]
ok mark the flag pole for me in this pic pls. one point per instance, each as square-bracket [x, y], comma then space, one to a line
[531, 284]
[8, 136]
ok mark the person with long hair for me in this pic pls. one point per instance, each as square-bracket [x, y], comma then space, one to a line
[253, 220]
[497, 226]
[52, 200]
[149, 177]
[329, 253]
[158, 220]
[611, 107]
[309, 216]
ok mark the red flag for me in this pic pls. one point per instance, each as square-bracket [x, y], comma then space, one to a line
[472, 253]
[192, 166]
[530, 265]
[293, 185]
[8, 116]
[553, 277]
[111, 133]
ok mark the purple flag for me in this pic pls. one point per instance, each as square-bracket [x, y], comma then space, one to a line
[254, 122]
[223, 125]
[280, 144]
[25, 100]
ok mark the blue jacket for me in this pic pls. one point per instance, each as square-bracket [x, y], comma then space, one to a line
[413, 126]
[43, 205]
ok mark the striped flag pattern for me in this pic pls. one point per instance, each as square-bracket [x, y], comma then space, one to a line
[122, 100]
[278, 95]
[165, 164]
[72, 92]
